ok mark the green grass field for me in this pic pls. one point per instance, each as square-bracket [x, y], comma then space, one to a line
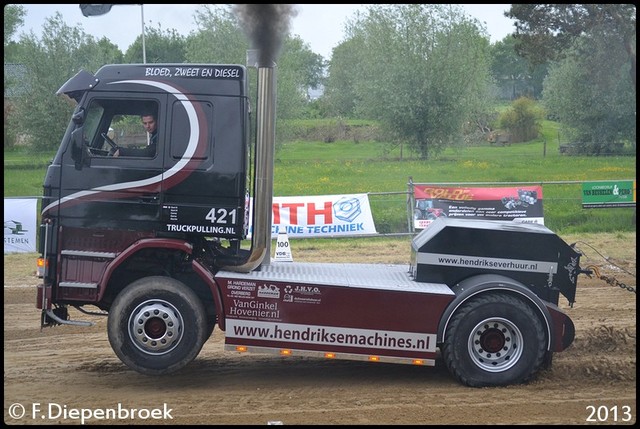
[343, 167]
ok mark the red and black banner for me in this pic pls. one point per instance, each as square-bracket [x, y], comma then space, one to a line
[523, 203]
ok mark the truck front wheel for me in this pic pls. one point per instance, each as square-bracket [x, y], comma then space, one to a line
[157, 325]
[494, 340]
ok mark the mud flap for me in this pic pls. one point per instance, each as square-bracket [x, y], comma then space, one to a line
[568, 334]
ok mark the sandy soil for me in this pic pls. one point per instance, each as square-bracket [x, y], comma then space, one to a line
[57, 374]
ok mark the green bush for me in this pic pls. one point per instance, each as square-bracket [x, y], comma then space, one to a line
[522, 120]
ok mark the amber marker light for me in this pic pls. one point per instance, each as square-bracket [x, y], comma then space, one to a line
[330, 355]
[41, 264]
[241, 348]
[374, 358]
[285, 352]
[418, 362]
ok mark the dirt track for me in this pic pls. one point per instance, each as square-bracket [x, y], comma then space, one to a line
[66, 369]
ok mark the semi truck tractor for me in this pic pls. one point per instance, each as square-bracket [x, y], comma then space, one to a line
[163, 245]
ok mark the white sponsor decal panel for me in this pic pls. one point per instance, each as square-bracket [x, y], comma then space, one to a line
[321, 216]
[485, 262]
[330, 335]
[20, 218]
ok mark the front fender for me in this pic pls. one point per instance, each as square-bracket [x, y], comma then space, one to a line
[164, 243]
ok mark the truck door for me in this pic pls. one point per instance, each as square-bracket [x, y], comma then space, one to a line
[100, 203]
[109, 191]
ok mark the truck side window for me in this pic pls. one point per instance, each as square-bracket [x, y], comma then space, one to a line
[122, 127]
[91, 124]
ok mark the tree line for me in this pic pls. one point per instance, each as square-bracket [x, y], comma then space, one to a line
[426, 73]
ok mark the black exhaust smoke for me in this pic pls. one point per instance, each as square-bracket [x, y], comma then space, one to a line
[265, 25]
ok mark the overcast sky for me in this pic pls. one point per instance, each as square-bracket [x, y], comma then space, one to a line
[319, 25]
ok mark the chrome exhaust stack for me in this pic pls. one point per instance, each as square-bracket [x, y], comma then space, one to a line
[263, 176]
[266, 25]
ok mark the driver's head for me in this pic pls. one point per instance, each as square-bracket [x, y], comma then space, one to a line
[149, 122]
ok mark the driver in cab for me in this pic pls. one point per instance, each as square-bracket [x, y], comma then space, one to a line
[151, 127]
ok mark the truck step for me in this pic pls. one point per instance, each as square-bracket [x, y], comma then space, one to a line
[79, 285]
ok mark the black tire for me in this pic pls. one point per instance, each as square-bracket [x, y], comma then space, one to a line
[157, 325]
[494, 340]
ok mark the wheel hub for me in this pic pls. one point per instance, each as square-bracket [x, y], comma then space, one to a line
[155, 327]
[495, 344]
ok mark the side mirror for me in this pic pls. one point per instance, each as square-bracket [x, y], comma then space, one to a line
[79, 149]
[78, 117]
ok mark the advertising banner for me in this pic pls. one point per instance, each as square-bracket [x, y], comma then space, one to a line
[20, 218]
[321, 216]
[619, 193]
[523, 203]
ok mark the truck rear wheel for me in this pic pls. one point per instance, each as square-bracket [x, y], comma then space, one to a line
[157, 325]
[494, 340]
